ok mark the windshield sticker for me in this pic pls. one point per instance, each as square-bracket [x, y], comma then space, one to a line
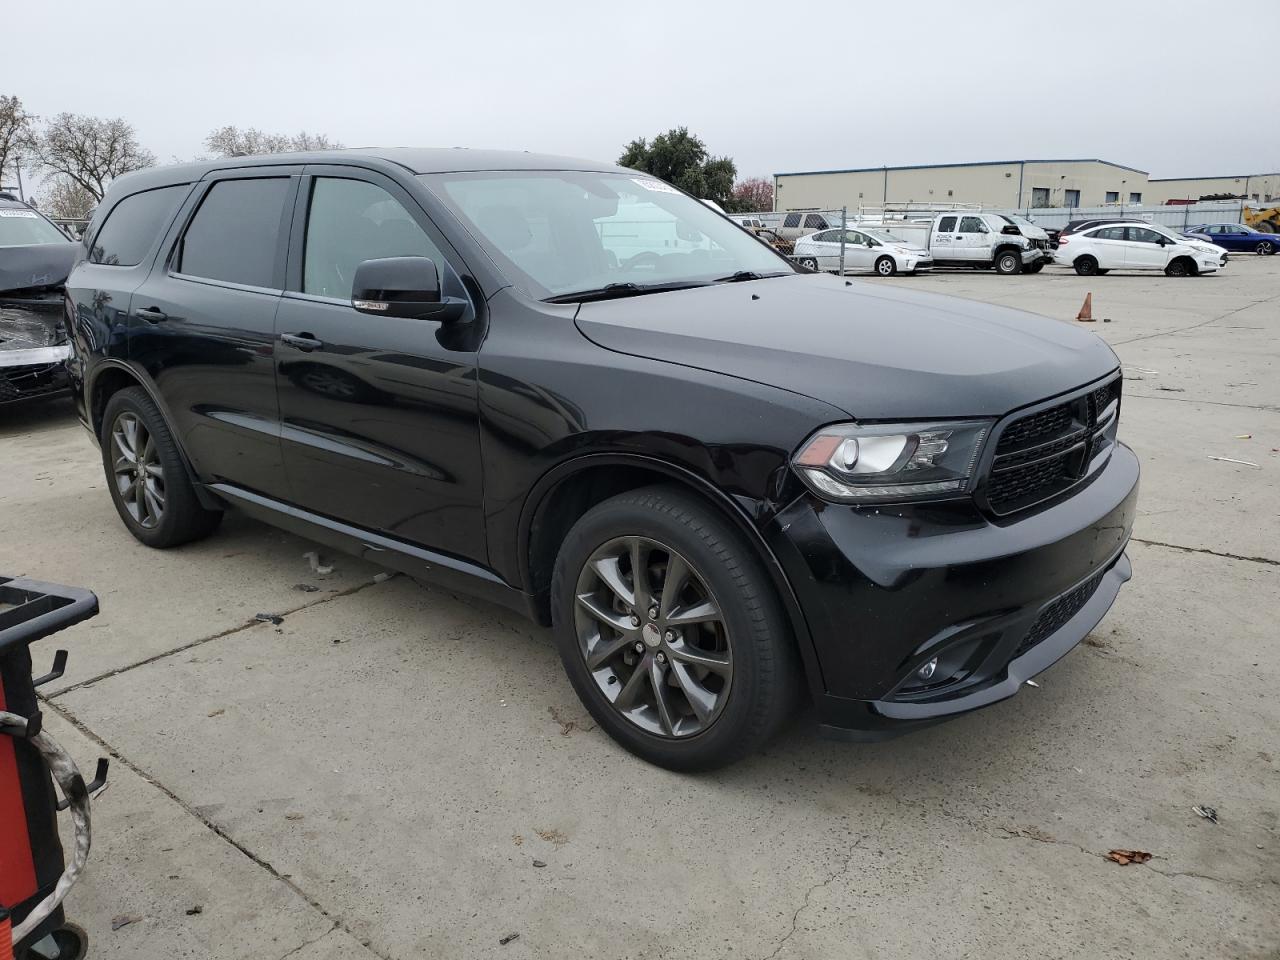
[18, 213]
[656, 186]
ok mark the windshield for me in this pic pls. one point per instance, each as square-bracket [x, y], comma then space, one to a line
[884, 236]
[23, 228]
[557, 233]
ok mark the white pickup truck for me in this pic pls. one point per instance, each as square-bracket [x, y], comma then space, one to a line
[983, 240]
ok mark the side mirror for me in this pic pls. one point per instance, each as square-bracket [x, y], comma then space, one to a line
[1163, 242]
[403, 287]
[1010, 229]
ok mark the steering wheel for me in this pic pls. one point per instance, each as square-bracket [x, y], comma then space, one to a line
[646, 258]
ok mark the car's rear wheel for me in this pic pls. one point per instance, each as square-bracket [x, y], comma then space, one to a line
[147, 478]
[886, 266]
[1086, 266]
[1008, 263]
[1181, 267]
[670, 630]
[1265, 248]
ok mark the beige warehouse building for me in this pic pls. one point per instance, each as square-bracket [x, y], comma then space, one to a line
[1009, 184]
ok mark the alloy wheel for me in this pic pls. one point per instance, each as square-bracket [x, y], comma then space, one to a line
[1264, 248]
[653, 637]
[138, 473]
[885, 268]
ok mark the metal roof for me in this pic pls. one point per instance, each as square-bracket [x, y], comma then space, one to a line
[938, 166]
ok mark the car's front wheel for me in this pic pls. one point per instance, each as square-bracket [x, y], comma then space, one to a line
[1181, 267]
[147, 478]
[809, 263]
[886, 266]
[1008, 263]
[670, 630]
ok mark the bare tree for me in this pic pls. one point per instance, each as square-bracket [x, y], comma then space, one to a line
[90, 151]
[233, 142]
[65, 199]
[15, 131]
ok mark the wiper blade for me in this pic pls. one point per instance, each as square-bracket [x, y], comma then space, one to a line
[742, 275]
[614, 291]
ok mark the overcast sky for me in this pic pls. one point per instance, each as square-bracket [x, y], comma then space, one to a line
[1163, 86]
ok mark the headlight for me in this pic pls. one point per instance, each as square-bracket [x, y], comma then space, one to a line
[850, 463]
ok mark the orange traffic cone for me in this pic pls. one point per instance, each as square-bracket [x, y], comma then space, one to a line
[1086, 312]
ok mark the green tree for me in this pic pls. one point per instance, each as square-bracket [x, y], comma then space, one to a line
[681, 159]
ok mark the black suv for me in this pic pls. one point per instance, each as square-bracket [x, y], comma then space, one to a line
[584, 394]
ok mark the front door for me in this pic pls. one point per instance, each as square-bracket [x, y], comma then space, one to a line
[202, 324]
[379, 414]
[859, 254]
[973, 241]
[1143, 249]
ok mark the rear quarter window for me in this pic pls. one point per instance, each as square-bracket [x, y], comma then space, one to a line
[134, 226]
[235, 234]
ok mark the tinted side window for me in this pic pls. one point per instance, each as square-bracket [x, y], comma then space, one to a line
[815, 222]
[947, 225]
[134, 224]
[793, 220]
[1143, 235]
[972, 225]
[352, 221]
[235, 235]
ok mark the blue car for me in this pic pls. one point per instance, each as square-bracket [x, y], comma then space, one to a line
[1236, 236]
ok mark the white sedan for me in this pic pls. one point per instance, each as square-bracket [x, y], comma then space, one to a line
[875, 250]
[1137, 246]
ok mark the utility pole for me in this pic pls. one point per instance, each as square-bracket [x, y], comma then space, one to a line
[844, 225]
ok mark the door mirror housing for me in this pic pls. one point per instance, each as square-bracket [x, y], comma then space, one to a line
[406, 287]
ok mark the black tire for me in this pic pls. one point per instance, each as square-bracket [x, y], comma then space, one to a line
[72, 943]
[180, 518]
[1265, 248]
[1034, 268]
[1008, 263]
[1181, 267]
[760, 692]
[1086, 266]
[886, 266]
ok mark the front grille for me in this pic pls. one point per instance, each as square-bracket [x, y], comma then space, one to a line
[18, 383]
[1053, 617]
[1045, 453]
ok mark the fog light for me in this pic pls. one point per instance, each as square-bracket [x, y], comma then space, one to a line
[927, 671]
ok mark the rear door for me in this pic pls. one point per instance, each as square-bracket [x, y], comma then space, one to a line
[203, 325]
[380, 417]
[943, 242]
[1108, 246]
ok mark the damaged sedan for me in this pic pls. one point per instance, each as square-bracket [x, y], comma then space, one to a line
[35, 258]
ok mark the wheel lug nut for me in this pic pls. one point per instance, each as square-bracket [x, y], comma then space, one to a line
[662, 657]
[635, 620]
[639, 646]
[669, 636]
[653, 613]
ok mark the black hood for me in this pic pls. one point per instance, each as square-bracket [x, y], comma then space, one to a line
[876, 351]
[38, 265]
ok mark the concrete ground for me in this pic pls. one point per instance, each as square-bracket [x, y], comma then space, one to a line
[381, 774]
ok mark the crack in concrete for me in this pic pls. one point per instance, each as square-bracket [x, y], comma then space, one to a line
[795, 917]
[248, 624]
[1201, 323]
[1264, 408]
[306, 943]
[1213, 553]
[218, 831]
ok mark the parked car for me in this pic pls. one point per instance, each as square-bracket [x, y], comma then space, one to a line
[969, 240]
[796, 225]
[876, 251]
[1137, 246]
[35, 257]
[1235, 236]
[748, 222]
[711, 473]
[785, 247]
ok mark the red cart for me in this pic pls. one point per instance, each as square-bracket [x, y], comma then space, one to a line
[34, 878]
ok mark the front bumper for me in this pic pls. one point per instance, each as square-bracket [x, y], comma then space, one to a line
[30, 374]
[1036, 255]
[885, 590]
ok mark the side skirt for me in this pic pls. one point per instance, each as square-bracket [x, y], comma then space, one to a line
[447, 571]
